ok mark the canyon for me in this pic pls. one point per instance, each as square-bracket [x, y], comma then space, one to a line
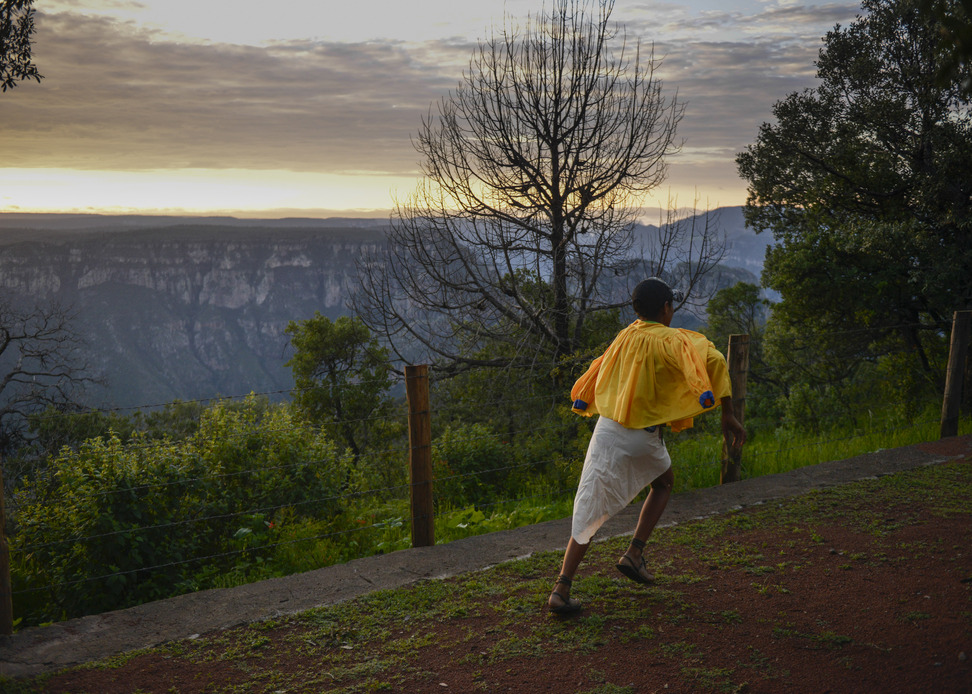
[195, 308]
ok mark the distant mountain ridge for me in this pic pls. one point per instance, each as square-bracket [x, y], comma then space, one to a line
[187, 312]
[192, 308]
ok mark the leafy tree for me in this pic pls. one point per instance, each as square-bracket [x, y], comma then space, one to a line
[341, 376]
[16, 27]
[534, 169]
[954, 22]
[739, 310]
[866, 185]
[471, 465]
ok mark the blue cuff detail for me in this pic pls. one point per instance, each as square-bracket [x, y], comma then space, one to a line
[580, 405]
[707, 399]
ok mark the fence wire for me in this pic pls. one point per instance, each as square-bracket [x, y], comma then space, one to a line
[156, 406]
[750, 457]
[189, 521]
[552, 422]
[192, 560]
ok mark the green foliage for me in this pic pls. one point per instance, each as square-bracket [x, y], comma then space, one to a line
[52, 429]
[815, 389]
[953, 20]
[16, 28]
[114, 524]
[470, 464]
[341, 376]
[101, 491]
[520, 418]
[251, 491]
[864, 181]
[143, 504]
[737, 310]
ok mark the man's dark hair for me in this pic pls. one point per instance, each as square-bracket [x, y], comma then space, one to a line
[649, 297]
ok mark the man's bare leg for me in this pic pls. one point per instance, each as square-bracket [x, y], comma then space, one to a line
[572, 558]
[651, 512]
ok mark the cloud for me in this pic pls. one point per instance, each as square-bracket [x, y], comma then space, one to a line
[122, 96]
[254, 22]
[119, 97]
[729, 68]
[730, 86]
[801, 19]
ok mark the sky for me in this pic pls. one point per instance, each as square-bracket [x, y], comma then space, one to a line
[308, 107]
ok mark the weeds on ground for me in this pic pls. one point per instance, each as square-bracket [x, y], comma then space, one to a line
[381, 640]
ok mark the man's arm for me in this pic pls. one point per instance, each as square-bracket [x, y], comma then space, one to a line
[732, 431]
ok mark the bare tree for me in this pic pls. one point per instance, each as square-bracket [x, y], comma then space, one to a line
[534, 170]
[41, 365]
[16, 27]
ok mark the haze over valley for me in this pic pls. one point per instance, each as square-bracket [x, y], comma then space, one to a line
[195, 308]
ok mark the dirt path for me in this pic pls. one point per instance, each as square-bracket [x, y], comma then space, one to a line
[866, 587]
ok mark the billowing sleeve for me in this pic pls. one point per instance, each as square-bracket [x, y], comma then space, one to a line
[582, 394]
[690, 363]
[718, 369]
[715, 364]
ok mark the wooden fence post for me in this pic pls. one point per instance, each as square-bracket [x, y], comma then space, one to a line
[957, 354]
[420, 454]
[738, 358]
[6, 591]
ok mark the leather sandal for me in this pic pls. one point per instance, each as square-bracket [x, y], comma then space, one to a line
[570, 605]
[637, 572]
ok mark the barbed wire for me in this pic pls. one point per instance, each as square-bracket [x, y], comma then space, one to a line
[193, 560]
[564, 491]
[239, 473]
[505, 434]
[811, 341]
[312, 425]
[500, 401]
[775, 452]
[547, 421]
[190, 481]
[479, 473]
[254, 511]
[158, 406]
[819, 443]
[139, 439]
[236, 514]
[271, 545]
[381, 524]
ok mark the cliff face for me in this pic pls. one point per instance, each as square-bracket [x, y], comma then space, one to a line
[180, 308]
[192, 311]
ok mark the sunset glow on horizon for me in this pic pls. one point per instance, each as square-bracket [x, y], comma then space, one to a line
[240, 193]
[220, 108]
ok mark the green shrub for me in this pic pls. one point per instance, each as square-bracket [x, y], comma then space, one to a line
[115, 524]
[470, 465]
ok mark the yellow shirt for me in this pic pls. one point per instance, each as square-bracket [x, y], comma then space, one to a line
[652, 374]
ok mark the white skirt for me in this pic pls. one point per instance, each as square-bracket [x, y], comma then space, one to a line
[620, 463]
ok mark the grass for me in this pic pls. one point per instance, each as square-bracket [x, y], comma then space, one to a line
[378, 641]
[695, 456]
